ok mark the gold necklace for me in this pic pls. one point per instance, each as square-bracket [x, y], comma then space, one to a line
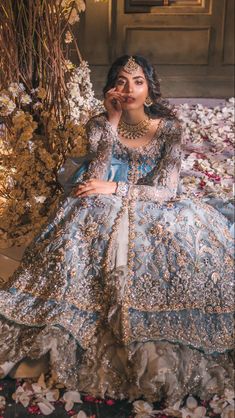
[134, 131]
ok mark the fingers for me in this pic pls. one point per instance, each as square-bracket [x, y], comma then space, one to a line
[94, 186]
[81, 190]
[113, 101]
[118, 105]
[87, 193]
[81, 193]
[112, 93]
[86, 183]
[84, 188]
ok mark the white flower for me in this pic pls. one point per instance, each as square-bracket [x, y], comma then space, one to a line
[7, 106]
[25, 99]
[80, 4]
[73, 17]
[68, 37]
[81, 95]
[21, 87]
[15, 89]
[69, 65]
[40, 199]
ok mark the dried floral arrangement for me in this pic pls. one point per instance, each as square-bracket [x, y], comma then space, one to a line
[44, 101]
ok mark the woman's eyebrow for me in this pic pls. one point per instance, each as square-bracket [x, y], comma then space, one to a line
[134, 78]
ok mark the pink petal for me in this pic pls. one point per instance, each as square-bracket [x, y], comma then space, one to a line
[71, 412]
[89, 398]
[110, 402]
[33, 409]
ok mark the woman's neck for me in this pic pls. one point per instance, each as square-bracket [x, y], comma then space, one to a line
[133, 117]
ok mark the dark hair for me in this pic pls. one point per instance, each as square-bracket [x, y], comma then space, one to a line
[160, 107]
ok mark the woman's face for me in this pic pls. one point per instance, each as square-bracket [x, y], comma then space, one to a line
[135, 86]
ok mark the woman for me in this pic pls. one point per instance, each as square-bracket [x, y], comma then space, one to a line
[129, 286]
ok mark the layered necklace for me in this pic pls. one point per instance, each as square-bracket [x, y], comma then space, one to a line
[138, 130]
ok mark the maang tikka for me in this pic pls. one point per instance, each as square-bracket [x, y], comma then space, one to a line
[131, 66]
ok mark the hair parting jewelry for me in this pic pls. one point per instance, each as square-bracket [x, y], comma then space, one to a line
[131, 66]
[134, 131]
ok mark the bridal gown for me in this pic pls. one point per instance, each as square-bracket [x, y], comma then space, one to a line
[131, 295]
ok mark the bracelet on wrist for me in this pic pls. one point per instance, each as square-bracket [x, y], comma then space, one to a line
[122, 189]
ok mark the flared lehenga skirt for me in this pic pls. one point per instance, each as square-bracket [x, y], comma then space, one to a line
[130, 299]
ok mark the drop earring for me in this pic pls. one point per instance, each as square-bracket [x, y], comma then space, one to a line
[148, 102]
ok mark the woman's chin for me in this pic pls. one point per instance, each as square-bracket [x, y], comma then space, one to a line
[129, 106]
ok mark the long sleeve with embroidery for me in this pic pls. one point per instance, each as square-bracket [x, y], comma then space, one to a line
[100, 143]
[162, 182]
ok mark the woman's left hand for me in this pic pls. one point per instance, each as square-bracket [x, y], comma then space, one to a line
[94, 186]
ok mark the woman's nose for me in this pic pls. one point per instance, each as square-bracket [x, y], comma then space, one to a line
[128, 88]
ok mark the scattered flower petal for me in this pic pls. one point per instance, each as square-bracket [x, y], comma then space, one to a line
[46, 407]
[2, 402]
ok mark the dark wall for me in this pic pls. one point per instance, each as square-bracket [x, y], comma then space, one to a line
[190, 42]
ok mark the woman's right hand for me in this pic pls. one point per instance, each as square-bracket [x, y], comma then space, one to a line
[113, 103]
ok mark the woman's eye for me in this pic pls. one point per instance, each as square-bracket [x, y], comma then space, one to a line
[120, 83]
[139, 82]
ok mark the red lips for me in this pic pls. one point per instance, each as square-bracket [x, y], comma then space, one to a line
[129, 99]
